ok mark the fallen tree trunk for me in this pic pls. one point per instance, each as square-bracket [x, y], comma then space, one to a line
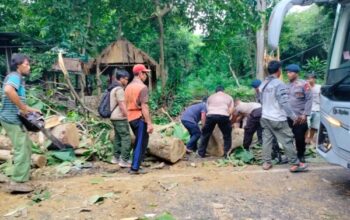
[37, 159]
[216, 142]
[67, 133]
[5, 143]
[168, 148]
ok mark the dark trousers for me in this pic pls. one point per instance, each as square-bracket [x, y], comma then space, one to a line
[195, 133]
[225, 126]
[299, 132]
[139, 128]
[252, 126]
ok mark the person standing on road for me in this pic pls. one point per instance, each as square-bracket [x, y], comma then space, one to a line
[251, 110]
[119, 120]
[136, 97]
[314, 119]
[14, 103]
[300, 99]
[276, 151]
[220, 108]
[190, 119]
[275, 109]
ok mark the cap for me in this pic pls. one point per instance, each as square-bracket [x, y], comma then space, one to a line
[140, 68]
[255, 83]
[293, 68]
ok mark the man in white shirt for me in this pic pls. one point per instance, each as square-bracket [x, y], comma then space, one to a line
[314, 119]
[251, 110]
[219, 109]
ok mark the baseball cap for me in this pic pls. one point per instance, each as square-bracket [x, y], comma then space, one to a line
[293, 68]
[255, 83]
[139, 68]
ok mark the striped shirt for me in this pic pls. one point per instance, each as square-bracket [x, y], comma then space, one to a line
[9, 111]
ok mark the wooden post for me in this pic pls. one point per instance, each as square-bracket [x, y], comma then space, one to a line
[98, 77]
[8, 59]
[82, 84]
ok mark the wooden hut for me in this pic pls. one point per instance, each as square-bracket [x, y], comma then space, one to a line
[11, 42]
[122, 54]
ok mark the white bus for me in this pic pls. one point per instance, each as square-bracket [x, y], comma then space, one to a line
[333, 142]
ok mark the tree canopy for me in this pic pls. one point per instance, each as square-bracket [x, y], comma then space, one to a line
[206, 42]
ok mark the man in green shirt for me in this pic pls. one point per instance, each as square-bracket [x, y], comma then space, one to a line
[14, 103]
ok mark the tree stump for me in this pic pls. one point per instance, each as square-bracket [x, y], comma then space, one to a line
[67, 133]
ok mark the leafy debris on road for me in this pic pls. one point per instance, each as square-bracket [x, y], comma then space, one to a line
[97, 199]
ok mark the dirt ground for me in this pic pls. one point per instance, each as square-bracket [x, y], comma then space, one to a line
[190, 190]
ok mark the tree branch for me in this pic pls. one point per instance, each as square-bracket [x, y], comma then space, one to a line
[69, 83]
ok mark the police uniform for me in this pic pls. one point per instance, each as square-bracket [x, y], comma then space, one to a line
[300, 100]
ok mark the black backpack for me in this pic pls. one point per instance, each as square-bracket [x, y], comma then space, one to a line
[104, 108]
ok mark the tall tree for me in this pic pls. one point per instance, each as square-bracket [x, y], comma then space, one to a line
[260, 39]
[160, 12]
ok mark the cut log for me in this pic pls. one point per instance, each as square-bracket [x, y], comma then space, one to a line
[5, 155]
[167, 148]
[67, 133]
[216, 141]
[53, 121]
[5, 143]
[80, 151]
[37, 159]
[160, 128]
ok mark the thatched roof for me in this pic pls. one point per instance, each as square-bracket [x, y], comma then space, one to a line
[72, 65]
[124, 52]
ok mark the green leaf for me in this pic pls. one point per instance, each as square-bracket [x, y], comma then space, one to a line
[181, 133]
[98, 198]
[64, 155]
[64, 167]
[40, 196]
[95, 199]
[97, 180]
[165, 216]
[244, 155]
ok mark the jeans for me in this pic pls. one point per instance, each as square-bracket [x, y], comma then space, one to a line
[195, 133]
[139, 128]
[225, 126]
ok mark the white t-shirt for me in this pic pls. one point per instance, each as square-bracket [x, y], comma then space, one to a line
[247, 108]
[316, 90]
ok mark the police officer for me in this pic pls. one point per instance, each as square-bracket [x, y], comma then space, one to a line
[300, 99]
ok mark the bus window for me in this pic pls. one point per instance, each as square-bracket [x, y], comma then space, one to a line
[346, 52]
